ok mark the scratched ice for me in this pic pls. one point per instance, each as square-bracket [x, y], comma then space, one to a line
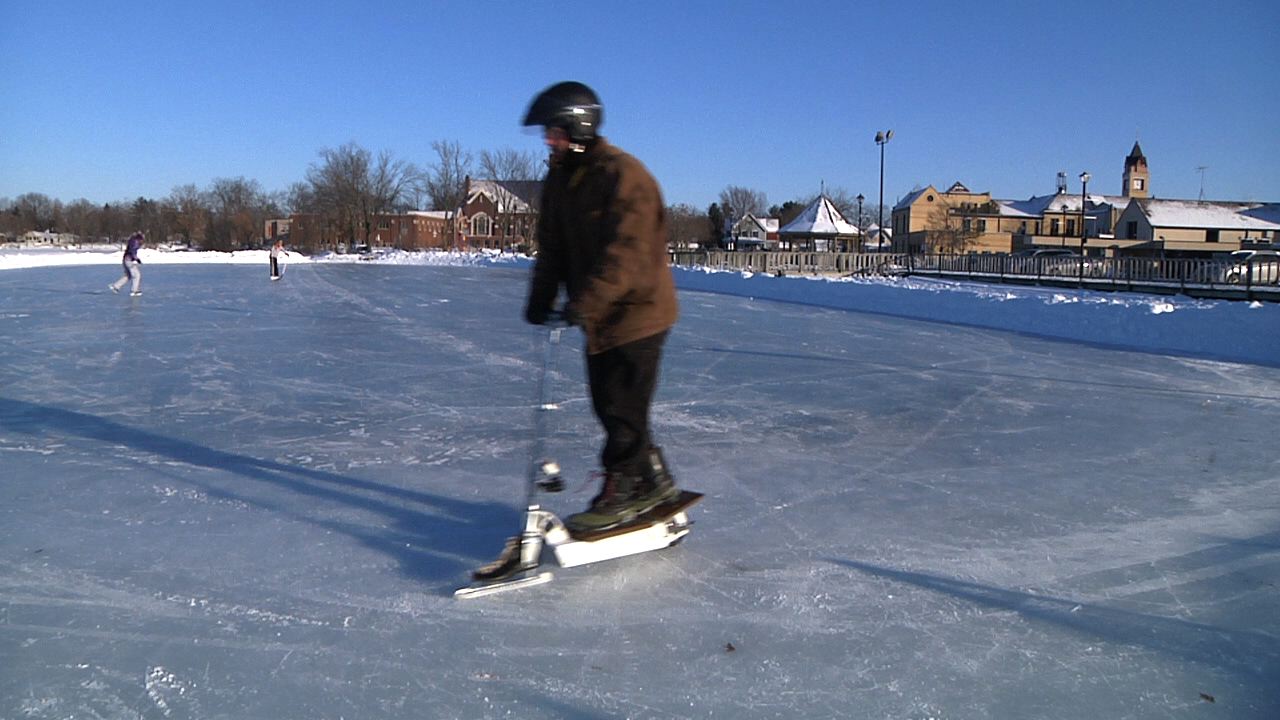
[232, 498]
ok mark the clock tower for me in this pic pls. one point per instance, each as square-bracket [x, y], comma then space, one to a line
[1137, 179]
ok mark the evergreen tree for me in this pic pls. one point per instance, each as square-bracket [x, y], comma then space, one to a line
[715, 217]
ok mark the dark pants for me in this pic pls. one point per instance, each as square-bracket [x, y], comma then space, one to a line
[275, 268]
[622, 381]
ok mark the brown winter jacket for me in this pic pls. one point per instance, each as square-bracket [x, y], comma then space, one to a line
[602, 234]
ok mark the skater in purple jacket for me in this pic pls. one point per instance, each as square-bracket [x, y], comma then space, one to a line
[132, 266]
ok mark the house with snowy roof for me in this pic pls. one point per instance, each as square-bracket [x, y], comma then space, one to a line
[753, 233]
[499, 213]
[819, 227]
[36, 238]
[1193, 227]
[877, 239]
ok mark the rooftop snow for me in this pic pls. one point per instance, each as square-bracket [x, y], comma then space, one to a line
[819, 218]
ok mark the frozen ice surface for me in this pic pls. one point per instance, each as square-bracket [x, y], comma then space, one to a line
[231, 498]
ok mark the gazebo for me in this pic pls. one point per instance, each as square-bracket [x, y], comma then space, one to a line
[819, 227]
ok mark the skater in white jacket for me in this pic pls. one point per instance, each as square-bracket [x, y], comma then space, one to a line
[132, 266]
[277, 251]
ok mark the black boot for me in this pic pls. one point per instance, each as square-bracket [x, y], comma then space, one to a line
[616, 504]
[656, 482]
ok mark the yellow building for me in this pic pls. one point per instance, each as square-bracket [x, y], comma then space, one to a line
[959, 220]
[1195, 227]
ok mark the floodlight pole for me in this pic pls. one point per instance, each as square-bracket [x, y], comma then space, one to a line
[1084, 232]
[882, 138]
[1084, 204]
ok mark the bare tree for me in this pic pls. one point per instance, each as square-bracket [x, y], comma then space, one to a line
[514, 179]
[445, 182]
[37, 211]
[238, 208]
[508, 164]
[80, 218]
[349, 188]
[389, 183]
[8, 218]
[150, 217]
[300, 198]
[191, 213]
[686, 226]
[337, 183]
[736, 202]
[113, 221]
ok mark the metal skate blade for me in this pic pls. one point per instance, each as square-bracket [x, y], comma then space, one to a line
[500, 586]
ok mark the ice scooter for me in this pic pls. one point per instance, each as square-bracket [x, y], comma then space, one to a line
[518, 564]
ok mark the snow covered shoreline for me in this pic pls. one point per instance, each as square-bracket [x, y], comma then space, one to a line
[1212, 329]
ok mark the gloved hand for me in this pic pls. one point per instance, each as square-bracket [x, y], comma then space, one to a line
[536, 314]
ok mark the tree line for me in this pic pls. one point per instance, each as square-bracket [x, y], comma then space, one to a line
[348, 187]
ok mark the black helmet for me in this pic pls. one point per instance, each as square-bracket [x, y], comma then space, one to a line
[569, 105]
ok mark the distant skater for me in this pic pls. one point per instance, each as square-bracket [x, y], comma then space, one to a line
[132, 266]
[275, 259]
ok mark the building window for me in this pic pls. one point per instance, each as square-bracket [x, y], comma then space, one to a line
[1053, 226]
[1131, 230]
[1071, 227]
[480, 225]
[982, 225]
[1211, 236]
[1139, 183]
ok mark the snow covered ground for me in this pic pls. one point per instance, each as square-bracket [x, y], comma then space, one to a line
[232, 498]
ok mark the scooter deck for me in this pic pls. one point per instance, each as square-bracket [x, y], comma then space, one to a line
[658, 514]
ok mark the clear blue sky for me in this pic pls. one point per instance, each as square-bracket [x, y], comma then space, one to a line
[111, 101]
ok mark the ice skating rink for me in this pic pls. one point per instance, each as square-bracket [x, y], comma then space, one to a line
[232, 498]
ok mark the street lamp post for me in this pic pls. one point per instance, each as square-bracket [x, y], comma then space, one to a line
[1084, 232]
[861, 244]
[1084, 203]
[882, 138]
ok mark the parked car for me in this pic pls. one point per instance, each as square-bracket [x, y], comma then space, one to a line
[1047, 261]
[1257, 267]
[1043, 252]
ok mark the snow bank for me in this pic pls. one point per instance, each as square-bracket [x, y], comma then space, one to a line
[1175, 325]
